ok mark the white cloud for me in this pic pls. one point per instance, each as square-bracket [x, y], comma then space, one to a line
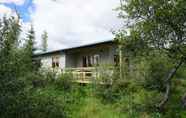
[17, 2]
[71, 23]
[8, 12]
[5, 10]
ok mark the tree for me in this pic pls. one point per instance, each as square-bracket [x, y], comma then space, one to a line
[17, 98]
[31, 40]
[11, 67]
[44, 37]
[9, 38]
[156, 25]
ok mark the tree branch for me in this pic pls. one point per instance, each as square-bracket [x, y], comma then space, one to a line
[168, 84]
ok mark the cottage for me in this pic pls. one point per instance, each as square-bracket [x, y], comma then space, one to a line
[80, 58]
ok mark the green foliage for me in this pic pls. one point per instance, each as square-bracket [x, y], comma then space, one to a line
[31, 40]
[156, 39]
[139, 93]
[155, 43]
[18, 77]
[153, 24]
[158, 68]
[105, 73]
[26, 105]
[93, 108]
[42, 105]
[64, 82]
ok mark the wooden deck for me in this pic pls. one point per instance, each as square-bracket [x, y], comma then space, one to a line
[85, 75]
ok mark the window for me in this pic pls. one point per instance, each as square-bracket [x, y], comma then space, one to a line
[96, 59]
[87, 61]
[84, 61]
[55, 62]
[91, 60]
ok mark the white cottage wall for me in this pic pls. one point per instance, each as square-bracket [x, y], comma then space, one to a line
[62, 61]
[46, 61]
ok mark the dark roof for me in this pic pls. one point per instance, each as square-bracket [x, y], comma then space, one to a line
[66, 49]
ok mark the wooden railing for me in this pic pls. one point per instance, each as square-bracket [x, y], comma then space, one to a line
[84, 75]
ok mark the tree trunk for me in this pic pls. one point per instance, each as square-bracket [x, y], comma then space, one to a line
[183, 101]
[120, 61]
[168, 85]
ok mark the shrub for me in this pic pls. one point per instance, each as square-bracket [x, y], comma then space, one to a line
[158, 69]
[105, 74]
[48, 74]
[42, 106]
[64, 82]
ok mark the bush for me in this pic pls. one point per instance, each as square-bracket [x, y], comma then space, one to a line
[158, 69]
[18, 75]
[48, 74]
[64, 82]
[105, 74]
[42, 106]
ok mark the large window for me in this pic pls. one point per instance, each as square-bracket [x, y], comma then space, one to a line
[91, 60]
[55, 62]
[84, 61]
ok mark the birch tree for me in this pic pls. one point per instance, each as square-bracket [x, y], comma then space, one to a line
[157, 25]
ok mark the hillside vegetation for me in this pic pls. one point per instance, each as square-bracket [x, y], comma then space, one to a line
[148, 83]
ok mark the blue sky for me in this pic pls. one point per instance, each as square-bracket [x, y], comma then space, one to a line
[68, 22]
[24, 9]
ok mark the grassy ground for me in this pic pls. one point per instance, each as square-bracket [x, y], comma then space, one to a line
[93, 108]
[81, 102]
